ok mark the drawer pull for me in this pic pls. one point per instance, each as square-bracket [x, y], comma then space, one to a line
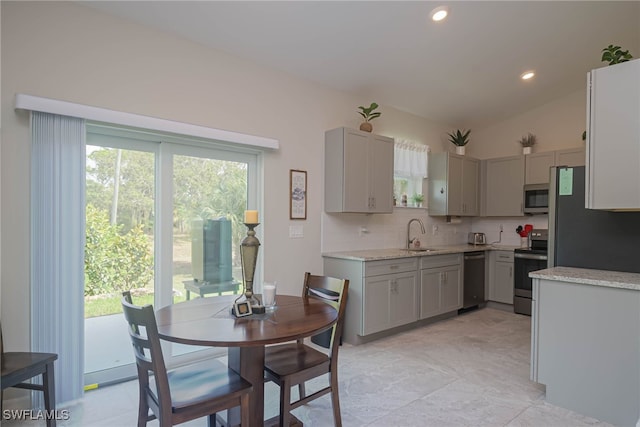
[394, 267]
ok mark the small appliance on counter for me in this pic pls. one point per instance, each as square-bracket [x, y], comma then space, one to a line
[477, 239]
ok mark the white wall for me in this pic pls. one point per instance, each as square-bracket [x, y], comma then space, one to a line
[557, 125]
[69, 52]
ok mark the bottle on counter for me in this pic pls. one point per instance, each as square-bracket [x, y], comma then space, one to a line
[404, 200]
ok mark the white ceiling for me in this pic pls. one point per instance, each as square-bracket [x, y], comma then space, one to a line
[463, 71]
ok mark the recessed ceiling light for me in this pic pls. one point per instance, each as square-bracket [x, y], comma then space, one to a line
[439, 13]
[527, 75]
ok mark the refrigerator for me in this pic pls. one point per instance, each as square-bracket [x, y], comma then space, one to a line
[588, 238]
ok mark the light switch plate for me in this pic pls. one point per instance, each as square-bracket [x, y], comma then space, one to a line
[296, 231]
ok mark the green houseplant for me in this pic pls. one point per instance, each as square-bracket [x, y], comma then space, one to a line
[460, 139]
[368, 114]
[615, 55]
[527, 142]
[417, 199]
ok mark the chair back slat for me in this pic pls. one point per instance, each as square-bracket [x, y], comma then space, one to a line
[147, 349]
[331, 291]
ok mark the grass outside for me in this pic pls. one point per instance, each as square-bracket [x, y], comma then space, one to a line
[103, 305]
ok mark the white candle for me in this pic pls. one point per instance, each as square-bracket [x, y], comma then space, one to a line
[251, 217]
[269, 297]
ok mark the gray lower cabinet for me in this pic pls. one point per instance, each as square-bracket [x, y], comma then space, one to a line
[440, 284]
[501, 277]
[389, 301]
[585, 347]
[383, 294]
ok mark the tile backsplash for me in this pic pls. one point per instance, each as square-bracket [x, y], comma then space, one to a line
[351, 232]
[491, 227]
[347, 232]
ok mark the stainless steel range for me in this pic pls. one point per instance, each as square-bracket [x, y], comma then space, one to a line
[525, 261]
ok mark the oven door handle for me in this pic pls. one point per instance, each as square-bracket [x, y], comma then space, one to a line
[530, 256]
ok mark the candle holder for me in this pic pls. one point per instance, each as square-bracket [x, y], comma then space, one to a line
[248, 258]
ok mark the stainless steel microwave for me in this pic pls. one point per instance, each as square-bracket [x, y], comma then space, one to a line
[536, 199]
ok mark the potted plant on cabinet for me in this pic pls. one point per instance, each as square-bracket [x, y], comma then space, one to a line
[615, 55]
[368, 114]
[417, 200]
[460, 139]
[527, 142]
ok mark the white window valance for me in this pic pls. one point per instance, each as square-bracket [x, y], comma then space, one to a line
[410, 159]
[104, 115]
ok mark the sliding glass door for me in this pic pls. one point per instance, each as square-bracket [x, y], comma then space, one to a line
[164, 220]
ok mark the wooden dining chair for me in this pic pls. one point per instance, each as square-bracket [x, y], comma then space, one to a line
[19, 367]
[295, 363]
[185, 393]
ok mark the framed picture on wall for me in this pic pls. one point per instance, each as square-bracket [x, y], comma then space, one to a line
[297, 194]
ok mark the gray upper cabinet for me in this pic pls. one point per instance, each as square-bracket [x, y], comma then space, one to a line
[358, 172]
[571, 157]
[537, 165]
[613, 137]
[503, 181]
[453, 185]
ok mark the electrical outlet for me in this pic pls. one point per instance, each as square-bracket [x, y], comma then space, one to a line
[434, 230]
[296, 232]
[501, 229]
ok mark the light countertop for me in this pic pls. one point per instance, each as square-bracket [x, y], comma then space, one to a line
[611, 279]
[381, 254]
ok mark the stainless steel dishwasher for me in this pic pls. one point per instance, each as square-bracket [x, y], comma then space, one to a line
[473, 284]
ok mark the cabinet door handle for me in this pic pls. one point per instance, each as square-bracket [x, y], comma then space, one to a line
[394, 267]
[510, 271]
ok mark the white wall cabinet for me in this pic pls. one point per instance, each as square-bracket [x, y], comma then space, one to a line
[503, 181]
[501, 277]
[453, 185]
[613, 137]
[440, 284]
[382, 294]
[537, 165]
[358, 172]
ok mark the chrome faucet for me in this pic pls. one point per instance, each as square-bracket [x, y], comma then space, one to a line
[409, 239]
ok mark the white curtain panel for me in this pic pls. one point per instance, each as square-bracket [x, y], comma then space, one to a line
[58, 150]
[410, 159]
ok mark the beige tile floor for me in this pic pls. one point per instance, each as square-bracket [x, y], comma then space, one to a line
[471, 370]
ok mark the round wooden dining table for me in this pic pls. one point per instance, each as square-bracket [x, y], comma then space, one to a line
[209, 322]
